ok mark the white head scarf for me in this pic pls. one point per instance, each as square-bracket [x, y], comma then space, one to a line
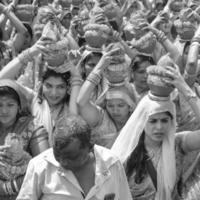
[129, 137]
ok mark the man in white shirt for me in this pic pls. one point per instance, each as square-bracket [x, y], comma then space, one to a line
[74, 169]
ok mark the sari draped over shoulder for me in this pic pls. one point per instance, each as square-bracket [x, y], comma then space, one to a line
[42, 114]
[129, 137]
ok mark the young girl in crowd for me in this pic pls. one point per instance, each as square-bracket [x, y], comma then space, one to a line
[20, 140]
[113, 107]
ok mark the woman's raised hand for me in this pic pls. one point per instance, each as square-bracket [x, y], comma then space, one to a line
[41, 46]
[75, 60]
[108, 54]
[173, 76]
[159, 19]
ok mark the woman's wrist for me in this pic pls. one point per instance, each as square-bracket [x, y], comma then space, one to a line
[76, 80]
[25, 57]
[195, 39]
[187, 92]
[94, 78]
[161, 37]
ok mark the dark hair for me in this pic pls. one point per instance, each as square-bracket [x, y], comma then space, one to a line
[186, 45]
[139, 59]
[8, 91]
[98, 54]
[137, 161]
[91, 55]
[51, 73]
[74, 126]
[29, 29]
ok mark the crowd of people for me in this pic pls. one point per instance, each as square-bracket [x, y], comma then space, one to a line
[100, 99]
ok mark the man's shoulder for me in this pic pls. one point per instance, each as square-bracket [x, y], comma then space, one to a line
[106, 155]
[43, 158]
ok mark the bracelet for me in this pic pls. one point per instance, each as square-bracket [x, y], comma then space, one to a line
[195, 39]
[4, 188]
[9, 188]
[194, 43]
[16, 186]
[190, 96]
[161, 36]
[25, 57]
[76, 81]
[188, 75]
[94, 78]
[13, 186]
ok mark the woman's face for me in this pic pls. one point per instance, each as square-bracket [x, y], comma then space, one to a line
[66, 20]
[166, 26]
[140, 75]
[158, 126]
[91, 63]
[54, 90]
[70, 154]
[9, 108]
[118, 109]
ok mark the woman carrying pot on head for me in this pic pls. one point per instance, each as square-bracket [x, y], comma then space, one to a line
[53, 100]
[90, 57]
[139, 67]
[20, 139]
[149, 146]
[113, 107]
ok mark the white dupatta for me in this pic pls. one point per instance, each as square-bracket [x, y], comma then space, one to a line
[43, 116]
[129, 137]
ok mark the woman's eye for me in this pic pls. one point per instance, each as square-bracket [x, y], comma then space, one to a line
[165, 120]
[11, 105]
[121, 105]
[48, 85]
[109, 106]
[152, 121]
[61, 87]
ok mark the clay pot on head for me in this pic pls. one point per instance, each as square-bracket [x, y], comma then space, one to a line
[157, 86]
[186, 31]
[77, 2]
[96, 35]
[117, 73]
[156, 74]
[145, 44]
[176, 5]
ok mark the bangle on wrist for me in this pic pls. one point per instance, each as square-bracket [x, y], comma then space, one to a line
[76, 81]
[25, 57]
[190, 95]
[15, 185]
[195, 39]
[94, 78]
[188, 75]
[194, 43]
[9, 188]
[5, 188]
